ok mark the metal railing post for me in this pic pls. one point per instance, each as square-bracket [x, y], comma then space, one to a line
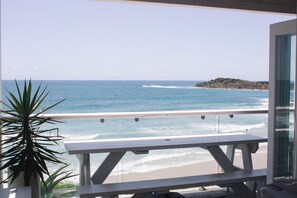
[218, 123]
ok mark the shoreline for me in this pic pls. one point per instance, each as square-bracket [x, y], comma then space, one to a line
[233, 89]
[194, 87]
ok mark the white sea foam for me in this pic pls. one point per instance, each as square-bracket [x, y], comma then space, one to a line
[236, 127]
[168, 87]
[264, 103]
[161, 160]
[80, 136]
[198, 128]
[225, 127]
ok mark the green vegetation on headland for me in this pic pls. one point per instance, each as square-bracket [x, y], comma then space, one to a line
[231, 83]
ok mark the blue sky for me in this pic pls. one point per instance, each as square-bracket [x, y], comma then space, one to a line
[101, 40]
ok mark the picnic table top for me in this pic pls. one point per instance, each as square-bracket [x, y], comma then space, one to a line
[155, 143]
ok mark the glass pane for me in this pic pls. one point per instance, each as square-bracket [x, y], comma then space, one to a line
[284, 106]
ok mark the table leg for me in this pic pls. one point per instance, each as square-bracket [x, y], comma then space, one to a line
[84, 166]
[248, 164]
[230, 152]
[247, 157]
[106, 167]
[221, 158]
[242, 190]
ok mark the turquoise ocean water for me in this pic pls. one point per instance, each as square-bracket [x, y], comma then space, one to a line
[135, 96]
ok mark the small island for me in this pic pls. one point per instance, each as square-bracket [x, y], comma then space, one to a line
[232, 83]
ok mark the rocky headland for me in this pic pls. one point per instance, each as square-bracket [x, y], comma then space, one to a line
[232, 83]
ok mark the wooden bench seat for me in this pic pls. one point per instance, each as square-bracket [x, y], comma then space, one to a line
[169, 184]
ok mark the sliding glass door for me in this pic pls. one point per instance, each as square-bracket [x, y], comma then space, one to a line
[282, 96]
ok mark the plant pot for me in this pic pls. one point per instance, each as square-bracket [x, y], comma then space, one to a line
[20, 182]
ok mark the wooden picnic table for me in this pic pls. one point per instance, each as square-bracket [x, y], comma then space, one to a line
[116, 149]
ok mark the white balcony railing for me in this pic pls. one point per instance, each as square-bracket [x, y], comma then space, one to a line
[216, 115]
[153, 114]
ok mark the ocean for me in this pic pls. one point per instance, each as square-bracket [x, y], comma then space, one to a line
[137, 96]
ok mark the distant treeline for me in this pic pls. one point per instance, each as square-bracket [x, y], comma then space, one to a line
[232, 83]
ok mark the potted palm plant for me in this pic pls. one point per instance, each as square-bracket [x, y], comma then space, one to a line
[26, 136]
